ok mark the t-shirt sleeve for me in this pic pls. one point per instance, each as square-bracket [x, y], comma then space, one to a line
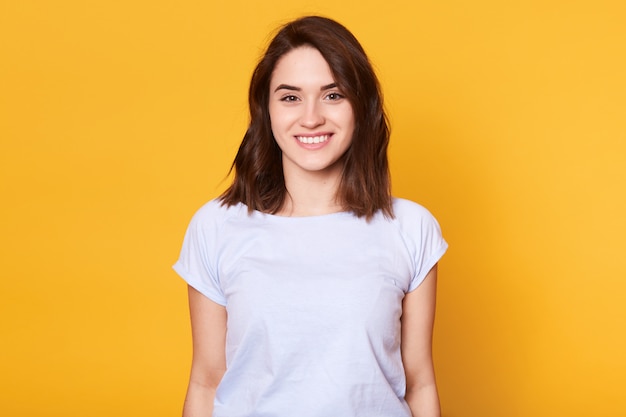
[197, 261]
[429, 246]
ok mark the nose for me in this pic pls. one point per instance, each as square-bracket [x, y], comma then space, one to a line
[312, 115]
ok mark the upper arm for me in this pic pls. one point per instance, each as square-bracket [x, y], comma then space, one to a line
[208, 328]
[418, 314]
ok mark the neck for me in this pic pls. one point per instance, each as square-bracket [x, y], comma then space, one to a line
[311, 194]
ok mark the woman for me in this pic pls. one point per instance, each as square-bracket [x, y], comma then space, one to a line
[311, 289]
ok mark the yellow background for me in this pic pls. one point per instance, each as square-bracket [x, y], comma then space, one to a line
[118, 119]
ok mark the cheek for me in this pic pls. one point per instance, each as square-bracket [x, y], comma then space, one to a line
[277, 117]
[348, 116]
[279, 127]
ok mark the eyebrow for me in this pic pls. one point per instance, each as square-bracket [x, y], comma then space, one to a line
[292, 88]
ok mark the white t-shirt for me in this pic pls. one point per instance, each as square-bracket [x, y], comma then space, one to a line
[314, 306]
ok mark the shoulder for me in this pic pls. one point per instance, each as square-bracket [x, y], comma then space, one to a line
[407, 206]
[410, 211]
[421, 234]
[216, 207]
[414, 221]
[214, 213]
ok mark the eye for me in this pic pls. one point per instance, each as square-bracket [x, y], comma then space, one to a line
[334, 96]
[289, 98]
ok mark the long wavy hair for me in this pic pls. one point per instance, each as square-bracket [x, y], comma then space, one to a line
[365, 186]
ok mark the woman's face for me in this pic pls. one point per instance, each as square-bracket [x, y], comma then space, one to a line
[311, 120]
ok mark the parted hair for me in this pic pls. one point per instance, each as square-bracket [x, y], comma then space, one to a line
[365, 186]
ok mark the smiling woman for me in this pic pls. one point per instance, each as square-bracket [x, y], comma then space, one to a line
[311, 289]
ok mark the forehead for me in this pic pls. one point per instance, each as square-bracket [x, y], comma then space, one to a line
[302, 66]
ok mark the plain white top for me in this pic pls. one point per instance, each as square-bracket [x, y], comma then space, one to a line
[313, 305]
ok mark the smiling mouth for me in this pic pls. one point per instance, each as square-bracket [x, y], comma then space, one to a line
[312, 139]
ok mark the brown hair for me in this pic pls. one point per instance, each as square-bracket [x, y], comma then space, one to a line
[365, 184]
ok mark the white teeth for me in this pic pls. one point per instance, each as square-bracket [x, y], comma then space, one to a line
[312, 139]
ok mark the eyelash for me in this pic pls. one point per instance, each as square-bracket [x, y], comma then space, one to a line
[335, 96]
[338, 96]
[289, 98]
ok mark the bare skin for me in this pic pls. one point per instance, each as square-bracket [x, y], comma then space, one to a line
[418, 313]
[208, 327]
[305, 103]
